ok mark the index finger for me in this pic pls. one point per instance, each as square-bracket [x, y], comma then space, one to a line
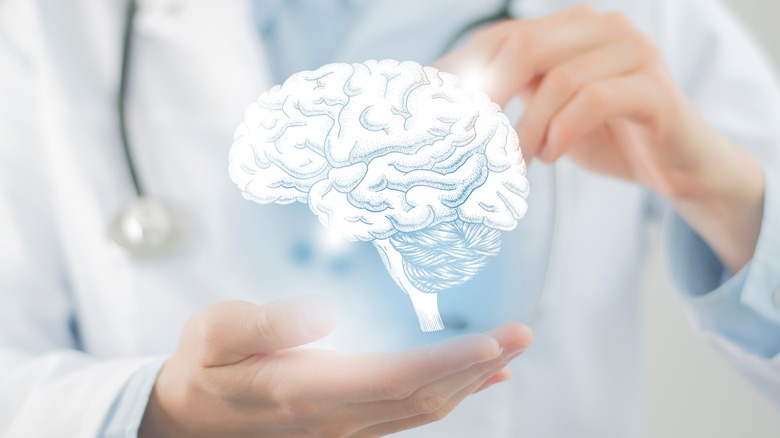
[484, 43]
[510, 55]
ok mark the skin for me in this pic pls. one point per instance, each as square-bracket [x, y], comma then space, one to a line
[597, 91]
[236, 373]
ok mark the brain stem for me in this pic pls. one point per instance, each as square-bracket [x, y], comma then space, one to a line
[425, 304]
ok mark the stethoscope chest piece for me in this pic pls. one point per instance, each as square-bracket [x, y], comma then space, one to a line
[147, 227]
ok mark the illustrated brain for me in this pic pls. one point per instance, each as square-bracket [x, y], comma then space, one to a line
[405, 156]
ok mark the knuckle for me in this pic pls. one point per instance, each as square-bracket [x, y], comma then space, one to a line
[582, 11]
[597, 96]
[436, 415]
[395, 392]
[523, 40]
[656, 102]
[563, 81]
[208, 324]
[389, 390]
[617, 22]
[647, 48]
[562, 127]
[268, 326]
[486, 367]
[427, 403]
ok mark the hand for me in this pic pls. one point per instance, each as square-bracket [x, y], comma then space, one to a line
[597, 90]
[235, 374]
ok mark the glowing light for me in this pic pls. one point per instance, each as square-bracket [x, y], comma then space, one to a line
[331, 241]
[476, 78]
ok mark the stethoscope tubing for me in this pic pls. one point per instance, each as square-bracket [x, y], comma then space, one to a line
[127, 49]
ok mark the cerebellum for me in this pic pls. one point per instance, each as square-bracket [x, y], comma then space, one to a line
[446, 255]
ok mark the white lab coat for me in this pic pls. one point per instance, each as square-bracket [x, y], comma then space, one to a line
[78, 318]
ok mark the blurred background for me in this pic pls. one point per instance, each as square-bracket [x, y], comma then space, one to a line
[690, 390]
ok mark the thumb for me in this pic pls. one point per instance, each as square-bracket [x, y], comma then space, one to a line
[231, 331]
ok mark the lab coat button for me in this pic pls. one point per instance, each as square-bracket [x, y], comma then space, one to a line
[776, 298]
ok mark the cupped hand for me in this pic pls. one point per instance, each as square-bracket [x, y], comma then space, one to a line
[236, 373]
[597, 90]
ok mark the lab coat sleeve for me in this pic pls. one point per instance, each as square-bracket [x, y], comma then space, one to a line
[735, 312]
[735, 90]
[48, 387]
[125, 416]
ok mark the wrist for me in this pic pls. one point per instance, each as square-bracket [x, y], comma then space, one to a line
[153, 425]
[723, 201]
[160, 417]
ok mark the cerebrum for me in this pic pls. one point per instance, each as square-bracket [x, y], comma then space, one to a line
[394, 153]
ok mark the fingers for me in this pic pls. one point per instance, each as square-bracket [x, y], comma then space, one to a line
[450, 386]
[560, 64]
[378, 377]
[501, 376]
[344, 379]
[397, 376]
[231, 331]
[511, 54]
[430, 413]
[469, 61]
[562, 82]
[433, 396]
[402, 379]
[485, 43]
[632, 96]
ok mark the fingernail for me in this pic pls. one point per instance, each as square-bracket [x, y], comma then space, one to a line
[494, 349]
[319, 313]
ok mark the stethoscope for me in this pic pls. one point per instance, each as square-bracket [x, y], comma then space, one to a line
[149, 227]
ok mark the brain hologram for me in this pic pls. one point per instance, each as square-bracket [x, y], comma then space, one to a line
[407, 157]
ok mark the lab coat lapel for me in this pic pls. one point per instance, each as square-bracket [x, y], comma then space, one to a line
[217, 48]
